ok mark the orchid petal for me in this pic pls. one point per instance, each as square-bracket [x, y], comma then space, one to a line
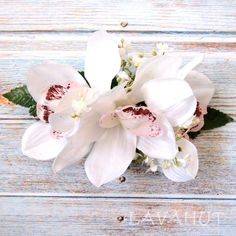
[172, 96]
[69, 156]
[109, 120]
[88, 132]
[202, 87]
[41, 77]
[188, 163]
[189, 67]
[89, 129]
[139, 120]
[107, 103]
[110, 156]
[109, 100]
[62, 122]
[179, 113]
[37, 142]
[163, 147]
[102, 61]
[200, 125]
[154, 68]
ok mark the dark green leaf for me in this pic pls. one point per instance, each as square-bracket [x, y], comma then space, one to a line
[114, 83]
[140, 159]
[141, 104]
[193, 135]
[213, 119]
[32, 111]
[20, 96]
[82, 74]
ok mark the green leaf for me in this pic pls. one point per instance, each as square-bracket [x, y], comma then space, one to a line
[20, 96]
[193, 135]
[82, 74]
[32, 111]
[140, 158]
[213, 119]
[141, 104]
[114, 83]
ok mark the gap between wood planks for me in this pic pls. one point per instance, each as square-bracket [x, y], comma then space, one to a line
[134, 196]
[123, 32]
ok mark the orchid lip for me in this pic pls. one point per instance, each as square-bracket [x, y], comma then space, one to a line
[56, 92]
[138, 120]
[43, 112]
[51, 99]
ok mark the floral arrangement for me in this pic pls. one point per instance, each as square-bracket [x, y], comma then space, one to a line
[123, 107]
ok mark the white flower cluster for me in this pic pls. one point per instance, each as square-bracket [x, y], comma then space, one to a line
[156, 100]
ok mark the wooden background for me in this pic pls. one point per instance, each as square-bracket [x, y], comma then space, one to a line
[34, 201]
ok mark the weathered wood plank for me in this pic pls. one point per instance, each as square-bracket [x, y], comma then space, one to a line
[58, 15]
[76, 41]
[81, 216]
[89, 213]
[217, 174]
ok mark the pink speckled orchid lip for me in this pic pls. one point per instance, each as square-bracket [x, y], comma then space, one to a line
[51, 99]
[138, 120]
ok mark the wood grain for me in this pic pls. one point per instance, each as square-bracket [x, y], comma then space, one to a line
[34, 201]
[216, 177]
[76, 41]
[31, 15]
[102, 216]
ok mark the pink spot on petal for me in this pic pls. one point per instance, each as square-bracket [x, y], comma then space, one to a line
[56, 92]
[198, 111]
[109, 120]
[140, 121]
[51, 98]
[140, 111]
[43, 112]
[56, 134]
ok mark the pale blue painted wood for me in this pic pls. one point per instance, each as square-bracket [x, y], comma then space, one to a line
[104, 216]
[151, 15]
[67, 204]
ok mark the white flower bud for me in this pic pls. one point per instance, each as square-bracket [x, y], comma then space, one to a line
[162, 48]
[138, 59]
[123, 77]
[123, 48]
[153, 167]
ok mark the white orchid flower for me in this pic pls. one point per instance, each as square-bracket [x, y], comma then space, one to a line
[162, 89]
[49, 83]
[189, 93]
[62, 96]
